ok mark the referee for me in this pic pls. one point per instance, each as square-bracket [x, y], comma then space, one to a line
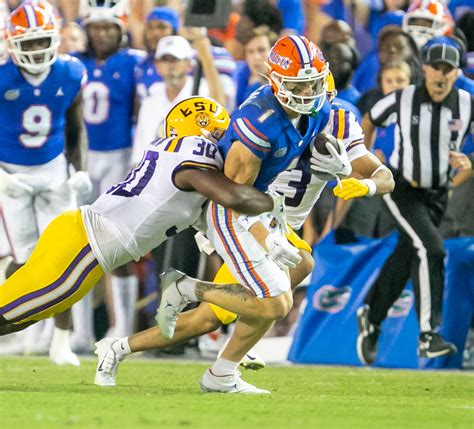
[432, 119]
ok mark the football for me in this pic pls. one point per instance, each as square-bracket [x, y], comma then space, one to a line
[319, 142]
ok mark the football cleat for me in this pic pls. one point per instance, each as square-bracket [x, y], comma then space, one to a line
[172, 302]
[432, 345]
[231, 383]
[63, 356]
[107, 362]
[252, 361]
[367, 339]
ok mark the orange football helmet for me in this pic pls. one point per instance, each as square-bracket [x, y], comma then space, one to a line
[426, 19]
[298, 74]
[29, 22]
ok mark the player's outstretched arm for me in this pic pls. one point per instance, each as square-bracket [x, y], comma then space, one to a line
[76, 135]
[217, 187]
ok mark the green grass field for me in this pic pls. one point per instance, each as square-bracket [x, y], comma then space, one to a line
[159, 394]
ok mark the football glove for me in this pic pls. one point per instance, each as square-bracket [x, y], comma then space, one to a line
[80, 183]
[332, 166]
[15, 185]
[353, 188]
[278, 211]
[282, 252]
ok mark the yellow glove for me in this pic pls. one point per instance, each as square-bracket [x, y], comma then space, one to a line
[353, 188]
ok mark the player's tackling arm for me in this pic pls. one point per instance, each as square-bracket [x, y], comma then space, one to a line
[217, 187]
[76, 135]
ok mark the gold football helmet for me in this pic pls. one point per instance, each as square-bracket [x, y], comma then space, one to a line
[331, 87]
[197, 116]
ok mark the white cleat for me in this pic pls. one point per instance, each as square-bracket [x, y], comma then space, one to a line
[172, 302]
[63, 357]
[108, 362]
[231, 383]
[252, 361]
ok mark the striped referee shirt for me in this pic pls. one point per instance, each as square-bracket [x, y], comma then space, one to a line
[425, 132]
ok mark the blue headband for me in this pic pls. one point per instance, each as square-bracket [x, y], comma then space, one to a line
[165, 14]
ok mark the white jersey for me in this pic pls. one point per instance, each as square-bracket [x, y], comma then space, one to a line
[301, 188]
[138, 214]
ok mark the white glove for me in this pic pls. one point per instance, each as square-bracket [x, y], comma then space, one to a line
[282, 252]
[332, 166]
[80, 183]
[15, 185]
[278, 211]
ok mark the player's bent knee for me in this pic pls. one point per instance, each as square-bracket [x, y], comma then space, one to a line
[280, 306]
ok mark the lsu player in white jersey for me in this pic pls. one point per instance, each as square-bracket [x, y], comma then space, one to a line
[42, 138]
[302, 186]
[164, 194]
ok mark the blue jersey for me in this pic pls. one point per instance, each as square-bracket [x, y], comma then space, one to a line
[262, 125]
[109, 98]
[32, 118]
[145, 76]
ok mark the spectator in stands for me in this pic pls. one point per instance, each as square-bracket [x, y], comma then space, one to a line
[252, 74]
[466, 25]
[393, 45]
[174, 62]
[337, 31]
[73, 38]
[160, 22]
[343, 59]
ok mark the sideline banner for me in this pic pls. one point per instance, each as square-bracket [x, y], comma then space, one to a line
[343, 274]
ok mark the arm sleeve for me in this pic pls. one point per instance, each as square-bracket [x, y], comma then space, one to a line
[384, 111]
[344, 126]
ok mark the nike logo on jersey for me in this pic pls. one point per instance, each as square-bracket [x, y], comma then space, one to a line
[281, 152]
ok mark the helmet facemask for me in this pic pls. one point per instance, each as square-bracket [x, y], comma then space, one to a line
[288, 89]
[34, 61]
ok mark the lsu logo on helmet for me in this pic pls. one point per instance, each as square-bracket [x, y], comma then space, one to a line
[195, 114]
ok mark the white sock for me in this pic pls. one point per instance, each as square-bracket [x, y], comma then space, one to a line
[83, 318]
[224, 367]
[60, 340]
[122, 347]
[187, 286]
[124, 291]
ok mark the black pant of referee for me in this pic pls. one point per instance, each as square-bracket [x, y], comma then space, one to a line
[419, 255]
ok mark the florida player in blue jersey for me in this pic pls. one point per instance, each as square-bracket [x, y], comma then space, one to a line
[267, 135]
[108, 113]
[42, 132]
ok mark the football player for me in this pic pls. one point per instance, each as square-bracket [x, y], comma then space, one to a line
[108, 113]
[268, 134]
[302, 186]
[160, 197]
[42, 138]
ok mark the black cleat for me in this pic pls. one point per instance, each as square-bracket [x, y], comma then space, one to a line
[368, 337]
[432, 345]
